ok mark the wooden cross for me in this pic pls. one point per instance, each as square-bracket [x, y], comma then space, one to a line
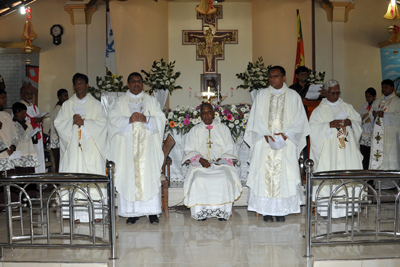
[378, 138]
[210, 42]
[377, 155]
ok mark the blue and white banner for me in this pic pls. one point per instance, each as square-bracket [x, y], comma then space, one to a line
[111, 62]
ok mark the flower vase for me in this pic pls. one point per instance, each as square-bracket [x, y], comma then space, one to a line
[253, 94]
[161, 96]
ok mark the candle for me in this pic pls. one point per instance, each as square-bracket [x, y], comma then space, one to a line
[218, 92]
[231, 91]
[190, 91]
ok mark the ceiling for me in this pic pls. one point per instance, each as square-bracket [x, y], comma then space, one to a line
[9, 6]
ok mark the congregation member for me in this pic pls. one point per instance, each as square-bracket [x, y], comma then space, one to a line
[81, 126]
[335, 133]
[367, 125]
[302, 85]
[29, 159]
[276, 133]
[385, 147]
[35, 118]
[212, 183]
[135, 129]
[62, 96]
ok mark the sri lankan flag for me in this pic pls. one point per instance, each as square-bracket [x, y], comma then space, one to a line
[300, 61]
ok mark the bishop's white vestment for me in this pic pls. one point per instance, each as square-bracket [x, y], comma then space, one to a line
[210, 192]
[136, 149]
[335, 149]
[31, 112]
[385, 140]
[82, 148]
[274, 175]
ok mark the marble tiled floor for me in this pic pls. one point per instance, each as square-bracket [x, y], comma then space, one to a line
[180, 241]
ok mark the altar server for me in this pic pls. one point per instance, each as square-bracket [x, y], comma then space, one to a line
[276, 132]
[335, 133]
[136, 128]
[35, 118]
[212, 182]
[385, 147]
[81, 126]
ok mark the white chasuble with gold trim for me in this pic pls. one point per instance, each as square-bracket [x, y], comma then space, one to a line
[274, 176]
[135, 149]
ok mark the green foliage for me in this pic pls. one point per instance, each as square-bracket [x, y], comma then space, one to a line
[255, 77]
[108, 83]
[161, 77]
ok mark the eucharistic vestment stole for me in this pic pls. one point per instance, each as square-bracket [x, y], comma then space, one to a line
[274, 175]
[385, 147]
[335, 149]
[136, 149]
[210, 192]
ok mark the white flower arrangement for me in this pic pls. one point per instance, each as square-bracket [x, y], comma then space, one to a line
[108, 83]
[255, 77]
[161, 77]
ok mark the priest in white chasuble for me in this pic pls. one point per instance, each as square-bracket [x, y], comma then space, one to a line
[385, 147]
[35, 118]
[136, 126]
[81, 126]
[335, 134]
[276, 133]
[212, 183]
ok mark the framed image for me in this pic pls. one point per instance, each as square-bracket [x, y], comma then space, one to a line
[32, 72]
[210, 80]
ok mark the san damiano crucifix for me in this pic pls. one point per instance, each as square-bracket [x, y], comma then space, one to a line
[210, 42]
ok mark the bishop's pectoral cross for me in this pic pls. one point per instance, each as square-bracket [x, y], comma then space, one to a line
[377, 155]
[378, 138]
[209, 143]
[210, 42]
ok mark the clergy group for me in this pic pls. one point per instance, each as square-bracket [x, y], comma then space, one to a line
[131, 131]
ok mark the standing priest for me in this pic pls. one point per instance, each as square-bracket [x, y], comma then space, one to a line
[335, 133]
[212, 182]
[276, 132]
[81, 126]
[135, 129]
[385, 147]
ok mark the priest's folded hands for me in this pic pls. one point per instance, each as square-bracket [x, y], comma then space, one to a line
[340, 123]
[137, 117]
[78, 120]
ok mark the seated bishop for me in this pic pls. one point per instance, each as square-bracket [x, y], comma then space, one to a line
[135, 130]
[335, 134]
[212, 183]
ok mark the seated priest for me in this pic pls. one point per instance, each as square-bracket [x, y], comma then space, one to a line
[212, 183]
[335, 134]
[135, 130]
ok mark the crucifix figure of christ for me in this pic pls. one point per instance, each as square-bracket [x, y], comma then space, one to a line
[210, 41]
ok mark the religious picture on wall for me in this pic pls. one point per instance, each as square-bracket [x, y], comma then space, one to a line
[390, 60]
[210, 80]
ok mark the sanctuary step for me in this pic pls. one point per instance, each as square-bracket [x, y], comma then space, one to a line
[358, 263]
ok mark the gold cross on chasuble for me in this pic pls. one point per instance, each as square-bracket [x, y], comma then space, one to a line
[378, 138]
[377, 155]
[210, 42]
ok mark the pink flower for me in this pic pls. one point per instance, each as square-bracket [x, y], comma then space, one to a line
[186, 122]
[229, 117]
[209, 127]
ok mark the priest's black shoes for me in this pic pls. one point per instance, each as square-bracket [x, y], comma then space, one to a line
[268, 218]
[280, 218]
[202, 220]
[153, 219]
[132, 220]
[221, 219]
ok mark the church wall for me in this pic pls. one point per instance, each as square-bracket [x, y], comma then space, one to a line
[363, 32]
[182, 16]
[140, 34]
[274, 33]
